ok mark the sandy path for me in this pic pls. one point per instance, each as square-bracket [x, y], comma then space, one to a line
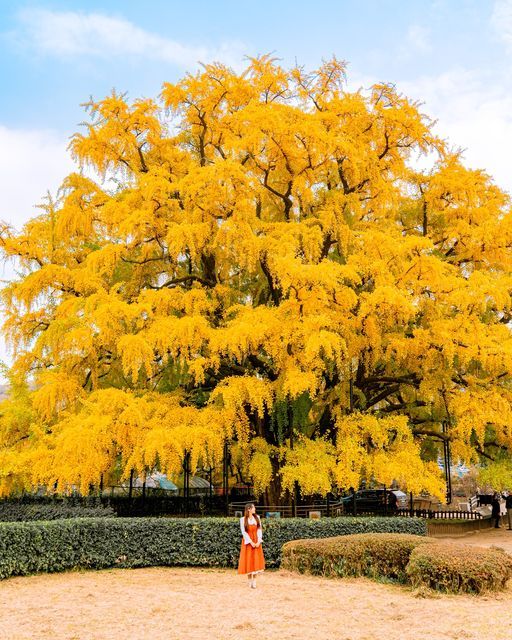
[498, 537]
[179, 603]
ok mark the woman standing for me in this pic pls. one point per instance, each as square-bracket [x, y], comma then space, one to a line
[251, 559]
[496, 510]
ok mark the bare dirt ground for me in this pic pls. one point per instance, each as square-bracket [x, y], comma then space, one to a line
[491, 537]
[183, 604]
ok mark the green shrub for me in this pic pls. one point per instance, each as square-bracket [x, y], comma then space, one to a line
[454, 568]
[375, 555]
[96, 543]
[278, 532]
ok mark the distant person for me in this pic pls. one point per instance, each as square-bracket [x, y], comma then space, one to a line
[251, 559]
[496, 508]
[392, 501]
[508, 506]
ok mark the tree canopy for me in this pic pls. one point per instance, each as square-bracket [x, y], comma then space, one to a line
[261, 260]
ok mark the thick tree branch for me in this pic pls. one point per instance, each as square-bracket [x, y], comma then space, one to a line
[276, 293]
[176, 281]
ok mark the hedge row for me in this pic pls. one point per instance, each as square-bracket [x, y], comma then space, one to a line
[97, 543]
[451, 569]
[421, 562]
[373, 555]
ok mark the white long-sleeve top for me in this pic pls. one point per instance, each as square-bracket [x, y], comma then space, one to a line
[246, 537]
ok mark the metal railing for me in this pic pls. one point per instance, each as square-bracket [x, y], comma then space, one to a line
[339, 509]
[289, 511]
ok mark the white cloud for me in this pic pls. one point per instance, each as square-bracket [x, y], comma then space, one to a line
[32, 163]
[68, 33]
[473, 112]
[472, 106]
[501, 21]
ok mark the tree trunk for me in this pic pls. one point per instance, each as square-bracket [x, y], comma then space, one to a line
[273, 492]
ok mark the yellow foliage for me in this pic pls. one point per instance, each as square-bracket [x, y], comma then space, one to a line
[135, 354]
[271, 268]
[497, 475]
[311, 463]
[57, 391]
[236, 392]
[260, 465]
[382, 449]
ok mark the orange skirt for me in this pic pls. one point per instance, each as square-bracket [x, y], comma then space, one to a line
[251, 558]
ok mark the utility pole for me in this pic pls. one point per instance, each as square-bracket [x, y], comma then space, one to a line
[295, 492]
[186, 481]
[225, 476]
[447, 463]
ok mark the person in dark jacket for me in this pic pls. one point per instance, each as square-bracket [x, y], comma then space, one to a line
[508, 505]
[495, 505]
[392, 502]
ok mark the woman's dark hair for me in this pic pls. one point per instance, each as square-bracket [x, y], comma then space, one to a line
[246, 516]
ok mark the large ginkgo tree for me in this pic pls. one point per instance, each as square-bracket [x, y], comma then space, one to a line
[257, 259]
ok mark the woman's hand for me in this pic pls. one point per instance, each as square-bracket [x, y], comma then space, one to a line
[253, 545]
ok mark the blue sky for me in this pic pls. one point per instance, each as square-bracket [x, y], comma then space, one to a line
[54, 54]
[455, 55]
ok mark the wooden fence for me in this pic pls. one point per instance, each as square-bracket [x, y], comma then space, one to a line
[457, 527]
[440, 514]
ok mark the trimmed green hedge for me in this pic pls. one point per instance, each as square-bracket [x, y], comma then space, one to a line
[375, 555]
[97, 543]
[415, 560]
[451, 568]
